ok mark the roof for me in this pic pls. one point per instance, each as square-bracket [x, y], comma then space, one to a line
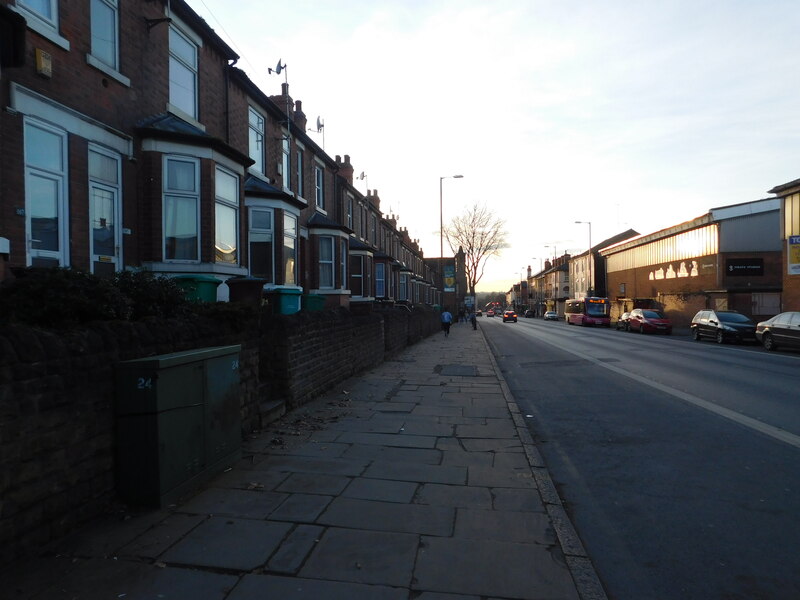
[356, 244]
[320, 221]
[168, 126]
[640, 240]
[745, 208]
[785, 187]
[715, 215]
[199, 24]
[254, 186]
[279, 114]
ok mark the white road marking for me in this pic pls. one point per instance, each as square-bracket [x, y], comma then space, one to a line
[774, 432]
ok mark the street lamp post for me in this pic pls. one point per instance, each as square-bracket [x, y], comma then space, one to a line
[553, 276]
[441, 230]
[591, 256]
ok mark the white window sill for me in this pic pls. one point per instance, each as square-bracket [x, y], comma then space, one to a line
[330, 292]
[43, 28]
[171, 108]
[101, 66]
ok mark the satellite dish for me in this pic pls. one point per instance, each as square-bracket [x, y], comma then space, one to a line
[320, 124]
[278, 68]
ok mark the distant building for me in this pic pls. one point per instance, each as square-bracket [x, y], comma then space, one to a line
[587, 271]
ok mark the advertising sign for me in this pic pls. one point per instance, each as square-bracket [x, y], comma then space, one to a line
[449, 278]
[793, 254]
[744, 267]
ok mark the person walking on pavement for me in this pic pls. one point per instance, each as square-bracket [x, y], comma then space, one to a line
[474, 320]
[447, 319]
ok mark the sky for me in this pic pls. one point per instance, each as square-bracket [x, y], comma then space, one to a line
[623, 114]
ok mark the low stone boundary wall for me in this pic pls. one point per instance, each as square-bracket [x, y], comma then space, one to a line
[57, 397]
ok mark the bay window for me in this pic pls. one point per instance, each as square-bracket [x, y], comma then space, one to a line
[261, 244]
[326, 261]
[290, 249]
[357, 275]
[226, 217]
[181, 202]
[380, 280]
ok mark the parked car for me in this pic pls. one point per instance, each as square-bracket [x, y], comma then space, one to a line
[490, 313]
[509, 315]
[648, 320]
[551, 315]
[723, 326]
[529, 314]
[780, 331]
[478, 313]
[622, 322]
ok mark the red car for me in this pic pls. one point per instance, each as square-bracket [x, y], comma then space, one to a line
[648, 320]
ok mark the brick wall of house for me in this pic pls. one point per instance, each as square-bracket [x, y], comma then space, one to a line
[12, 189]
[57, 398]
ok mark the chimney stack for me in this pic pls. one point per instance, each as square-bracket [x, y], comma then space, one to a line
[299, 116]
[284, 101]
[345, 168]
[376, 201]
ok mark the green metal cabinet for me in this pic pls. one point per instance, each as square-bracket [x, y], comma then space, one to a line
[178, 422]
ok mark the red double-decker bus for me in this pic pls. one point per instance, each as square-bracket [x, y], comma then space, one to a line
[588, 311]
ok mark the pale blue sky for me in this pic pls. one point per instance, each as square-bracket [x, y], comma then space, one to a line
[626, 114]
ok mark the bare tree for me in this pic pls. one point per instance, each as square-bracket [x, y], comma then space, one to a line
[480, 235]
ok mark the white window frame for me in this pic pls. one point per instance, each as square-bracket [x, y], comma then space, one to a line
[194, 69]
[267, 232]
[326, 265]
[286, 162]
[221, 202]
[403, 288]
[300, 154]
[349, 209]
[177, 193]
[345, 283]
[60, 177]
[113, 34]
[115, 189]
[290, 278]
[47, 26]
[380, 280]
[319, 186]
[359, 276]
[257, 129]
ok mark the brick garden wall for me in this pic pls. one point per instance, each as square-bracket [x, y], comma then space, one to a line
[57, 398]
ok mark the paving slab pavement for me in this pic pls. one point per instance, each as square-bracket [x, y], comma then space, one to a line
[417, 479]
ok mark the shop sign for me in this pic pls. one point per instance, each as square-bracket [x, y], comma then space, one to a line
[744, 267]
[793, 254]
